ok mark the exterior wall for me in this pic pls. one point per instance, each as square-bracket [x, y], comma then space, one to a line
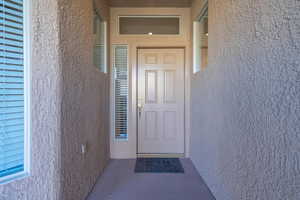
[69, 105]
[127, 149]
[245, 105]
[85, 110]
[44, 180]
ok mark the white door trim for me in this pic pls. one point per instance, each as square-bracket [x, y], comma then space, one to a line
[128, 149]
[187, 78]
[182, 50]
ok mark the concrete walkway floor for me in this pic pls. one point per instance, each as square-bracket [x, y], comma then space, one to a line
[119, 182]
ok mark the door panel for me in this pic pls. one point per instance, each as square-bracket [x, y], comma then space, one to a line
[161, 101]
[151, 86]
[169, 86]
[151, 125]
[170, 132]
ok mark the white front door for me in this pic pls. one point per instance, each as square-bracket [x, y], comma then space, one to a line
[160, 101]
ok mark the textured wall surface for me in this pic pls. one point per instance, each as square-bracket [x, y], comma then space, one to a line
[69, 104]
[85, 107]
[44, 180]
[245, 105]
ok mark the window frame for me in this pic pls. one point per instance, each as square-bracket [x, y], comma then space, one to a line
[27, 96]
[197, 66]
[105, 42]
[150, 16]
[113, 96]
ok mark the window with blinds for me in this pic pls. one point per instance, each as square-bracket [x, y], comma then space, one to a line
[99, 42]
[200, 41]
[120, 91]
[13, 140]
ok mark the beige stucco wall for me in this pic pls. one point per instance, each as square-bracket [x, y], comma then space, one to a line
[69, 104]
[85, 96]
[245, 105]
[44, 180]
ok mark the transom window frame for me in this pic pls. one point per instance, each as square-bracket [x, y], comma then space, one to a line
[27, 97]
[203, 12]
[152, 35]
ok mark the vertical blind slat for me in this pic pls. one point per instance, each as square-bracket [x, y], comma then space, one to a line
[121, 91]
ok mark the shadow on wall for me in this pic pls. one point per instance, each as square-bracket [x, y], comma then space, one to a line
[245, 116]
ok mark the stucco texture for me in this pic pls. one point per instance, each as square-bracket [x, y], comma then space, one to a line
[245, 106]
[69, 104]
[44, 180]
[85, 106]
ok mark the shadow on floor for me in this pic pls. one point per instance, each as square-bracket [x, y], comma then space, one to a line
[119, 182]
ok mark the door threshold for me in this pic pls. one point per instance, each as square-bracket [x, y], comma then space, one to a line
[160, 155]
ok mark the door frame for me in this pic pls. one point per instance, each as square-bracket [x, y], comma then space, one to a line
[135, 99]
[124, 149]
[127, 149]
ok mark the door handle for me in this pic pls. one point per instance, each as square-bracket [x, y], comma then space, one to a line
[140, 108]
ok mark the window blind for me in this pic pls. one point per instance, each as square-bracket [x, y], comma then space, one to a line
[11, 87]
[99, 57]
[99, 43]
[121, 90]
[200, 41]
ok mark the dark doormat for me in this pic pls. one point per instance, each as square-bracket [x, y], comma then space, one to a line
[158, 165]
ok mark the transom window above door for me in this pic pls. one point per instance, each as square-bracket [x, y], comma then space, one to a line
[149, 25]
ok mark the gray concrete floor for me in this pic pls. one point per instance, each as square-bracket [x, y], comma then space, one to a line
[119, 182]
